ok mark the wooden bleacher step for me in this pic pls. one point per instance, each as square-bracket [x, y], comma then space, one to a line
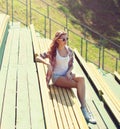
[111, 82]
[94, 105]
[101, 87]
[20, 99]
[51, 96]
[4, 21]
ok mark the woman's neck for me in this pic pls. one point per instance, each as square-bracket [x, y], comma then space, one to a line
[61, 48]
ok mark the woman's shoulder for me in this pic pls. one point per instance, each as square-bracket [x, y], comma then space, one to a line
[70, 51]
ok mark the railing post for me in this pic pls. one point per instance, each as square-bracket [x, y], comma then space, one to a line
[6, 6]
[81, 46]
[116, 64]
[26, 12]
[47, 10]
[66, 23]
[103, 57]
[86, 58]
[30, 13]
[45, 26]
[84, 33]
[50, 28]
[99, 57]
[100, 42]
[12, 11]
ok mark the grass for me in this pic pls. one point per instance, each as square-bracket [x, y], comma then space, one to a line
[75, 41]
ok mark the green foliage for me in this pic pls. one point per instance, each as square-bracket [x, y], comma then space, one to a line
[64, 9]
[58, 21]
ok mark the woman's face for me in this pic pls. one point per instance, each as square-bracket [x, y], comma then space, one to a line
[62, 40]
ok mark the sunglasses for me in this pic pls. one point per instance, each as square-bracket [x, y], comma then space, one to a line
[63, 39]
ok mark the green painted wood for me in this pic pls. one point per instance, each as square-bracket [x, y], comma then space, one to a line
[22, 47]
[2, 47]
[3, 76]
[107, 120]
[110, 80]
[6, 56]
[28, 113]
[3, 26]
[30, 105]
[30, 57]
[23, 102]
[23, 119]
[4, 69]
[8, 114]
[36, 111]
[14, 25]
[14, 49]
[47, 101]
[100, 114]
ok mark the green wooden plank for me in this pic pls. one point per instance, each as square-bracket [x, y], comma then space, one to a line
[14, 25]
[8, 114]
[22, 47]
[14, 49]
[3, 76]
[104, 115]
[7, 51]
[4, 69]
[36, 110]
[2, 47]
[92, 97]
[29, 47]
[23, 120]
[78, 71]
[110, 80]
[3, 28]
[23, 104]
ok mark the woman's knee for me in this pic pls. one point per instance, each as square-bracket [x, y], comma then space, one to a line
[81, 79]
[81, 82]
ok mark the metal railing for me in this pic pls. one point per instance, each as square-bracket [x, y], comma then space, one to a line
[47, 24]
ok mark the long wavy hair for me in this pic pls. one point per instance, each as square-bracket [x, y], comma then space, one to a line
[54, 45]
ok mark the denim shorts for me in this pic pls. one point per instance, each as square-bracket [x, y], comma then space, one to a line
[55, 77]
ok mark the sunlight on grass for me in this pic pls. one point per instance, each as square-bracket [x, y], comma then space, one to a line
[48, 27]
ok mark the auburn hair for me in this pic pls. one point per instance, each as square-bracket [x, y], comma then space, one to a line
[54, 45]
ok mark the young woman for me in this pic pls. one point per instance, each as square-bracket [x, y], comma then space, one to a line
[60, 67]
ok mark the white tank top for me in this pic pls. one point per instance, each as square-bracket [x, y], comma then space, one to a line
[61, 65]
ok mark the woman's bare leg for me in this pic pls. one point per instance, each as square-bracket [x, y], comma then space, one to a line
[81, 90]
[77, 82]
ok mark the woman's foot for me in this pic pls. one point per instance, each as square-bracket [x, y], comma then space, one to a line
[88, 116]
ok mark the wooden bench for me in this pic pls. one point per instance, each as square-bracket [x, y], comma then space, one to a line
[61, 107]
[117, 76]
[102, 88]
[20, 101]
[3, 33]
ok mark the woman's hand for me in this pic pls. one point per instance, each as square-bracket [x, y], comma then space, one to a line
[69, 75]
